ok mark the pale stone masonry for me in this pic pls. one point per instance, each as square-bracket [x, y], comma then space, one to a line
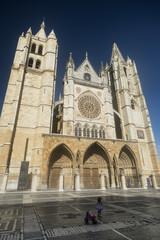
[97, 135]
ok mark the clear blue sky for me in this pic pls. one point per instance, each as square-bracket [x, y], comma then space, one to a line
[90, 26]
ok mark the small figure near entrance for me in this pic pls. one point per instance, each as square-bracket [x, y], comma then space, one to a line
[99, 206]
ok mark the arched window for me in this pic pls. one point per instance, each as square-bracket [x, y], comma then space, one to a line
[33, 48]
[132, 104]
[76, 131]
[100, 133]
[96, 135]
[92, 133]
[30, 62]
[38, 63]
[88, 135]
[80, 132]
[40, 49]
[84, 132]
[104, 134]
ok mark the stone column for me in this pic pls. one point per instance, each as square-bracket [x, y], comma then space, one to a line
[4, 182]
[102, 182]
[123, 181]
[34, 182]
[61, 179]
[154, 183]
[81, 177]
[143, 181]
[77, 182]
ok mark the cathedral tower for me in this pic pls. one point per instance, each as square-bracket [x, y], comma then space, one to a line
[129, 103]
[29, 99]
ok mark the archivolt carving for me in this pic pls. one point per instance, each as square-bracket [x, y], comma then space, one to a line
[95, 161]
[125, 161]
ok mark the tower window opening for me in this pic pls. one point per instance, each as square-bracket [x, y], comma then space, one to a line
[125, 71]
[30, 62]
[80, 132]
[132, 104]
[38, 63]
[33, 48]
[40, 49]
[84, 132]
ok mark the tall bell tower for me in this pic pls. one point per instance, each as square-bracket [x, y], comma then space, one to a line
[129, 103]
[29, 99]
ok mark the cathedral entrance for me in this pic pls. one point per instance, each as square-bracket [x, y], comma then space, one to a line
[127, 166]
[95, 163]
[60, 164]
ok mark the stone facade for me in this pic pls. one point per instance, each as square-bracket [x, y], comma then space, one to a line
[98, 135]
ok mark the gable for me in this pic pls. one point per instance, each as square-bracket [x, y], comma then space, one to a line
[86, 72]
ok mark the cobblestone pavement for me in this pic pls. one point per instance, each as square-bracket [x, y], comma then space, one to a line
[127, 214]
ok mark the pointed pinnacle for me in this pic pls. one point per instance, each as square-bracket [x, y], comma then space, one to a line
[106, 65]
[29, 30]
[43, 25]
[52, 34]
[102, 67]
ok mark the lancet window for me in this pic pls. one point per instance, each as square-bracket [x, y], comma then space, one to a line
[30, 62]
[33, 48]
[40, 49]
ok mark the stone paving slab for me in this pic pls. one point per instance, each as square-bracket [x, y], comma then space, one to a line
[126, 215]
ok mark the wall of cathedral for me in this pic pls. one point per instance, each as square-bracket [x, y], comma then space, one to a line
[103, 121]
[79, 147]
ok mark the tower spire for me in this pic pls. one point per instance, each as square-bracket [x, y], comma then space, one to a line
[116, 54]
[43, 25]
[41, 33]
[70, 63]
[101, 70]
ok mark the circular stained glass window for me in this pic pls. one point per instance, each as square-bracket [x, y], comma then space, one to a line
[89, 107]
[87, 76]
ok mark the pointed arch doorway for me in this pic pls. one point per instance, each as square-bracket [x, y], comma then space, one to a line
[95, 163]
[60, 163]
[127, 166]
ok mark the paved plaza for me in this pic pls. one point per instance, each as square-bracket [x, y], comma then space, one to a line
[127, 214]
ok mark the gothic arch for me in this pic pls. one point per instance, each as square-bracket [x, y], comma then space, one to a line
[128, 166]
[130, 152]
[92, 146]
[60, 161]
[95, 162]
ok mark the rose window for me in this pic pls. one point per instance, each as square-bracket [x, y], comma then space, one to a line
[89, 107]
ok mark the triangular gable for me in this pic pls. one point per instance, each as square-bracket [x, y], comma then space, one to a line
[84, 68]
[41, 33]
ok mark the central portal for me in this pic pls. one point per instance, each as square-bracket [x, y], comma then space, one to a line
[95, 162]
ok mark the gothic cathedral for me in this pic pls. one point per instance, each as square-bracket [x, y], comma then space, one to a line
[98, 135]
